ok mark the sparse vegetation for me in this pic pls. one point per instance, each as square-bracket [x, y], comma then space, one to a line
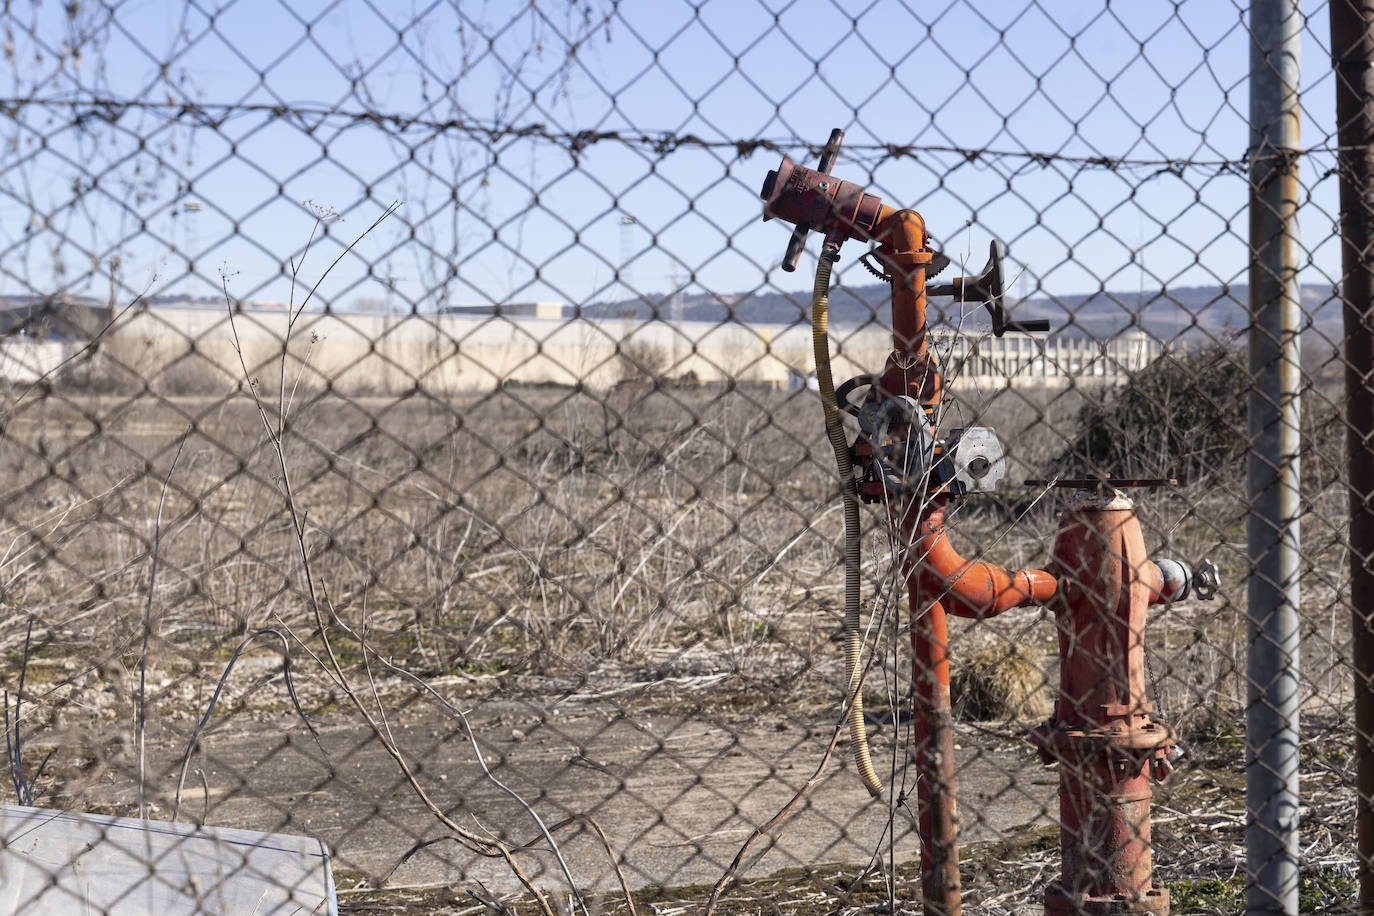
[1004, 681]
[668, 550]
[1320, 890]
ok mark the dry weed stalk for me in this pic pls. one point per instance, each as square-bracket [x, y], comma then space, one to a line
[14, 748]
[140, 738]
[214, 699]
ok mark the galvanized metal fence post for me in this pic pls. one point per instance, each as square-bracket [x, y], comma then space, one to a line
[1272, 472]
[1352, 50]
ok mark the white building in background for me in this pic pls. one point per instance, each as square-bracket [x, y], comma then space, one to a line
[24, 360]
[1022, 360]
[193, 348]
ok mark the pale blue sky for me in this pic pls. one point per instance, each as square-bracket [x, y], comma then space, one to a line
[519, 218]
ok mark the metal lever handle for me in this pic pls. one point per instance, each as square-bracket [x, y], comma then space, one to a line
[989, 288]
[797, 243]
[831, 152]
[1028, 327]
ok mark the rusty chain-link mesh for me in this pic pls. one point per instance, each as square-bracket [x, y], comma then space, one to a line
[411, 443]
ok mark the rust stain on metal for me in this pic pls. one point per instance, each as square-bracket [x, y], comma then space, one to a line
[1102, 735]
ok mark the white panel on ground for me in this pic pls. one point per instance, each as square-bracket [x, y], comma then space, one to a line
[61, 862]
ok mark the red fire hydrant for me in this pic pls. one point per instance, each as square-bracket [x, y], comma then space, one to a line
[1102, 734]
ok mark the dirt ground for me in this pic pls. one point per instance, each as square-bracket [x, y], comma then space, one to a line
[676, 786]
[676, 796]
[678, 775]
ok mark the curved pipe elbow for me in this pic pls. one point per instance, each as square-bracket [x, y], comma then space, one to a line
[900, 230]
[969, 588]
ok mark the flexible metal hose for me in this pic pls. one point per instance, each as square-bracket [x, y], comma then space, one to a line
[853, 636]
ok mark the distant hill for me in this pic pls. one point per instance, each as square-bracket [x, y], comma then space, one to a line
[1189, 311]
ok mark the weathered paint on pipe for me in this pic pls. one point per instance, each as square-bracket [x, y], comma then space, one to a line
[1101, 734]
[1105, 841]
[1102, 584]
[1272, 474]
[935, 574]
[1352, 49]
[910, 371]
[933, 747]
[939, 579]
[969, 588]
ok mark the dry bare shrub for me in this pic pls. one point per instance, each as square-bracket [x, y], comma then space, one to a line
[642, 365]
[1182, 416]
[1001, 681]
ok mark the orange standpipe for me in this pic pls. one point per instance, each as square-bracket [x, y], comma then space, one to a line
[900, 411]
[939, 580]
[1102, 733]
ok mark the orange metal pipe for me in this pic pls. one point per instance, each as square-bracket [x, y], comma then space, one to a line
[972, 588]
[932, 736]
[903, 245]
[940, 580]
[935, 572]
[902, 238]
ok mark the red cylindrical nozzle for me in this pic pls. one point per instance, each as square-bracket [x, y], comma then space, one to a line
[811, 198]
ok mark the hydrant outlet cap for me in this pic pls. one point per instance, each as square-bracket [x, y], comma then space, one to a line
[1177, 577]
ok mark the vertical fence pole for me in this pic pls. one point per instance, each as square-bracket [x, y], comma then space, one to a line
[1272, 472]
[1352, 51]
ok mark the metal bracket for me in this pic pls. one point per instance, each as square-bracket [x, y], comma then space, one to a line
[975, 462]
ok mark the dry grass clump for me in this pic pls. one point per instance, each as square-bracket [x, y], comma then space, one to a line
[1002, 681]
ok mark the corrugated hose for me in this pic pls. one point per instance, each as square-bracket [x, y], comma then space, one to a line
[853, 636]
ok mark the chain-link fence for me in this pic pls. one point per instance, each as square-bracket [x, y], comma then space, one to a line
[413, 444]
